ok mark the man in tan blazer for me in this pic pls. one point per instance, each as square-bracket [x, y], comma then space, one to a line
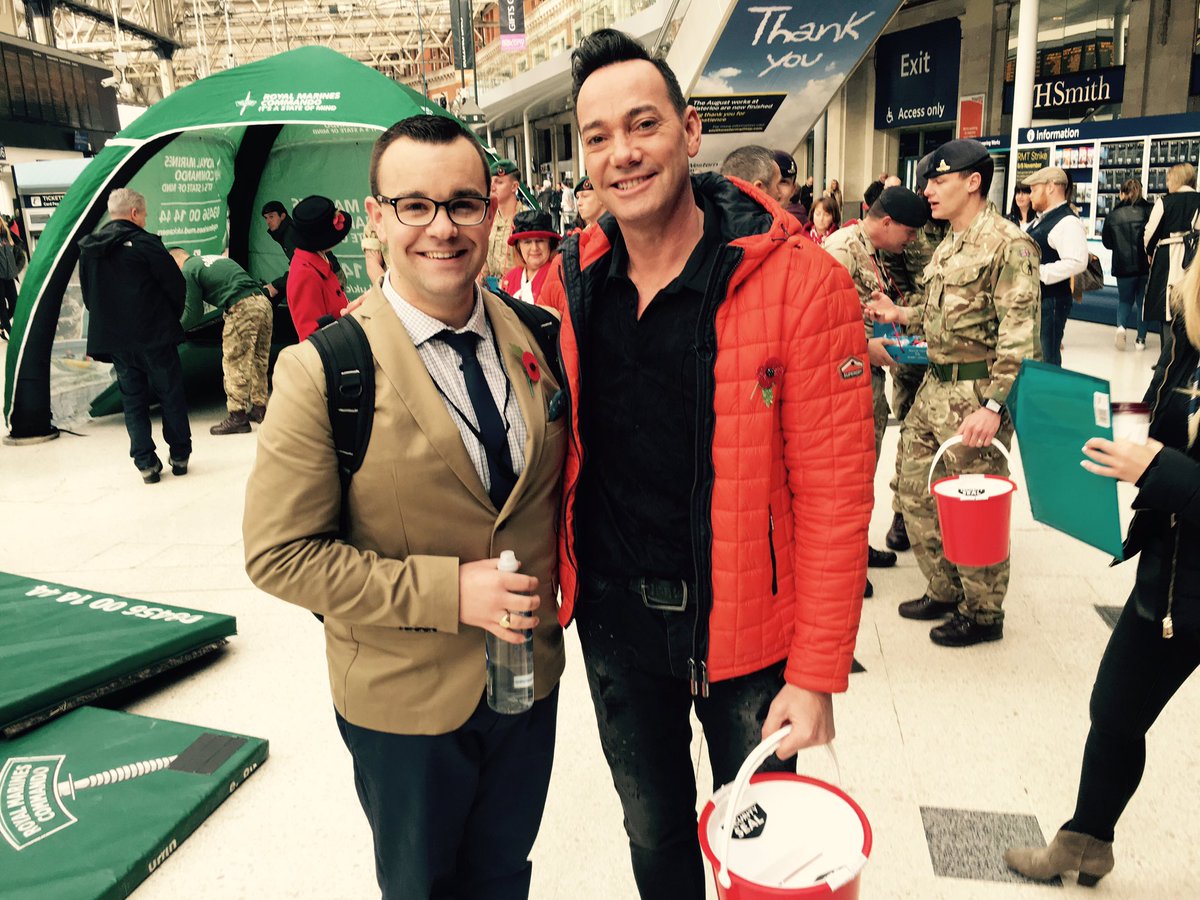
[453, 790]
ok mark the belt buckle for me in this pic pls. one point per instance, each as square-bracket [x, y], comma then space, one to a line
[650, 601]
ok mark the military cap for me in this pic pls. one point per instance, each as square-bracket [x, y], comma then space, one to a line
[786, 163]
[1047, 175]
[955, 156]
[584, 184]
[903, 206]
[503, 166]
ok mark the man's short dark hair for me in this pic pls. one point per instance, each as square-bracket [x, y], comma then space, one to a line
[426, 129]
[986, 169]
[750, 163]
[608, 47]
[274, 206]
[871, 194]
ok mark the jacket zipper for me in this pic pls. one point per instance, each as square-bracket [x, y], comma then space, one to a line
[771, 543]
[1168, 624]
[726, 262]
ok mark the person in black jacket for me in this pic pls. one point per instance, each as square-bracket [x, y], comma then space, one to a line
[134, 293]
[1125, 235]
[1171, 218]
[1155, 645]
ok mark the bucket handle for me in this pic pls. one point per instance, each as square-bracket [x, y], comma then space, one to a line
[954, 442]
[738, 787]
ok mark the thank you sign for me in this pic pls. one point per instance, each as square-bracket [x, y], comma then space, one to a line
[916, 75]
[774, 69]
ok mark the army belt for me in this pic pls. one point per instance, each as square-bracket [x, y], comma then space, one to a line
[955, 372]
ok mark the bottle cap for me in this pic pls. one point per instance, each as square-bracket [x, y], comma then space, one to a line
[508, 561]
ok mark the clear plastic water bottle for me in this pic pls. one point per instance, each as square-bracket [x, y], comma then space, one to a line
[510, 666]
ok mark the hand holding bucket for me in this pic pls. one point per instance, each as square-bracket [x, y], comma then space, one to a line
[975, 512]
[798, 837]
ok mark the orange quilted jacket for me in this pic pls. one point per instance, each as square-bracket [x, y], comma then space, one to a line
[787, 485]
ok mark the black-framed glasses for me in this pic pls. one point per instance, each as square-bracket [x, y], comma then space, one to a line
[417, 211]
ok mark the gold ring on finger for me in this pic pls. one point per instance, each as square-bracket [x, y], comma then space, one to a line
[506, 620]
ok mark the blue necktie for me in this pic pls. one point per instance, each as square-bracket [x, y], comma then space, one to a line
[491, 434]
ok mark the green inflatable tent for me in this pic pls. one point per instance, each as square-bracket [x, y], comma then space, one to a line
[207, 158]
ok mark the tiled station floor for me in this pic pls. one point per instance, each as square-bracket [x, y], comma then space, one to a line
[951, 753]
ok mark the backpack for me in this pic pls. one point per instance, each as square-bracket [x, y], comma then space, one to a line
[350, 379]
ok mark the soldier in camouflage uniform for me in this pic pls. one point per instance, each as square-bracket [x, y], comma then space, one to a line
[908, 270]
[217, 282]
[981, 318]
[506, 198]
[891, 223]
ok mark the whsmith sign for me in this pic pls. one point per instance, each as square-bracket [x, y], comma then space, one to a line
[916, 75]
[1075, 93]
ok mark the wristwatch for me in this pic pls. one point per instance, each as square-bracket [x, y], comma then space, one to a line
[994, 405]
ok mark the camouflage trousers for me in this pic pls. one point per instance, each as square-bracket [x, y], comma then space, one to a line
[936, 416]
[906, 379]
[246, 349]
[879, 408]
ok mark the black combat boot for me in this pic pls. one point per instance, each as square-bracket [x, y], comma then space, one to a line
[897, 536]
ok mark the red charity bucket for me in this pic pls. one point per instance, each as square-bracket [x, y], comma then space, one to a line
[974, 511]
[780, 836]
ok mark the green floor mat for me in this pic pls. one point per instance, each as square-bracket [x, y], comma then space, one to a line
[92, 803]
[61, 646]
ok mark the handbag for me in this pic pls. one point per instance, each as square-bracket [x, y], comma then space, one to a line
[1092, 278]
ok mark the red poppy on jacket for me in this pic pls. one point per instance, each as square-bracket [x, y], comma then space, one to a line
[532, 372]
[770, 372]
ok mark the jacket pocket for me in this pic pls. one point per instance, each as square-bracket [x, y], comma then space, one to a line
[771, 545]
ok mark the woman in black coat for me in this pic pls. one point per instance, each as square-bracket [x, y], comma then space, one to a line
[1170, 219]
[1155, 645]
[1125, 235]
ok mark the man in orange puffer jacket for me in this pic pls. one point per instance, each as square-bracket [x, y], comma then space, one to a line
[718, 480]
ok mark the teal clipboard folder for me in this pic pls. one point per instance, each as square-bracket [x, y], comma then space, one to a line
[1055, 411]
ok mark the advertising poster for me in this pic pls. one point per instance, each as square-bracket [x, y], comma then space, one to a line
[463, 34]
[916, 75]
[970, 116]
[512, 26]
[96, 801]
[1030, 159]
[186, 185]
[775, 68]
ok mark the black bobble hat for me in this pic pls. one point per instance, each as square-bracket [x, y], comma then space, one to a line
[319, 224]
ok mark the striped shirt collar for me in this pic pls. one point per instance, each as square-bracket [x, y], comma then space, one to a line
[422, 327]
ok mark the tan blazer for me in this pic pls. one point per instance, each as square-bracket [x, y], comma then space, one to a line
[399, 659]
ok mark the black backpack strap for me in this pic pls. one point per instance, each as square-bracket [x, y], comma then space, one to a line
[543, 324]
[350, 386]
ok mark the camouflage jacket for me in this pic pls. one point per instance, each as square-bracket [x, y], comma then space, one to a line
[499, 255]
[851, 247]
[983, 299]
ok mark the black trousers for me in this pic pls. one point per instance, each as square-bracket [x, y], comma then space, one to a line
[142, 376]
[8, 303]
[637, 667]
[455, 815]
[1139, 673]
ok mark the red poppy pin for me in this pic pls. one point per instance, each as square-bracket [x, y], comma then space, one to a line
[339, 220]
[767, 379]
[533, 372]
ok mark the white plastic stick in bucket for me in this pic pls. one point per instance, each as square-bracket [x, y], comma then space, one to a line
[843, 872]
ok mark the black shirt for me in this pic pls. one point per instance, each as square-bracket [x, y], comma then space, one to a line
[638, 419]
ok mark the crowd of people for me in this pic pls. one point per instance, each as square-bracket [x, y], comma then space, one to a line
[664, 468]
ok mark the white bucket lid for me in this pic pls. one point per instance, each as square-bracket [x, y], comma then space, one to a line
[973, 487]
[802, 833]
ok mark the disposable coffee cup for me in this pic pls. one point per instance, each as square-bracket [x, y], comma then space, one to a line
[1131, 422]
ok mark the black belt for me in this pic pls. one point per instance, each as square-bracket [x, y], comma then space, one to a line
[965, 371]
[662, 594]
